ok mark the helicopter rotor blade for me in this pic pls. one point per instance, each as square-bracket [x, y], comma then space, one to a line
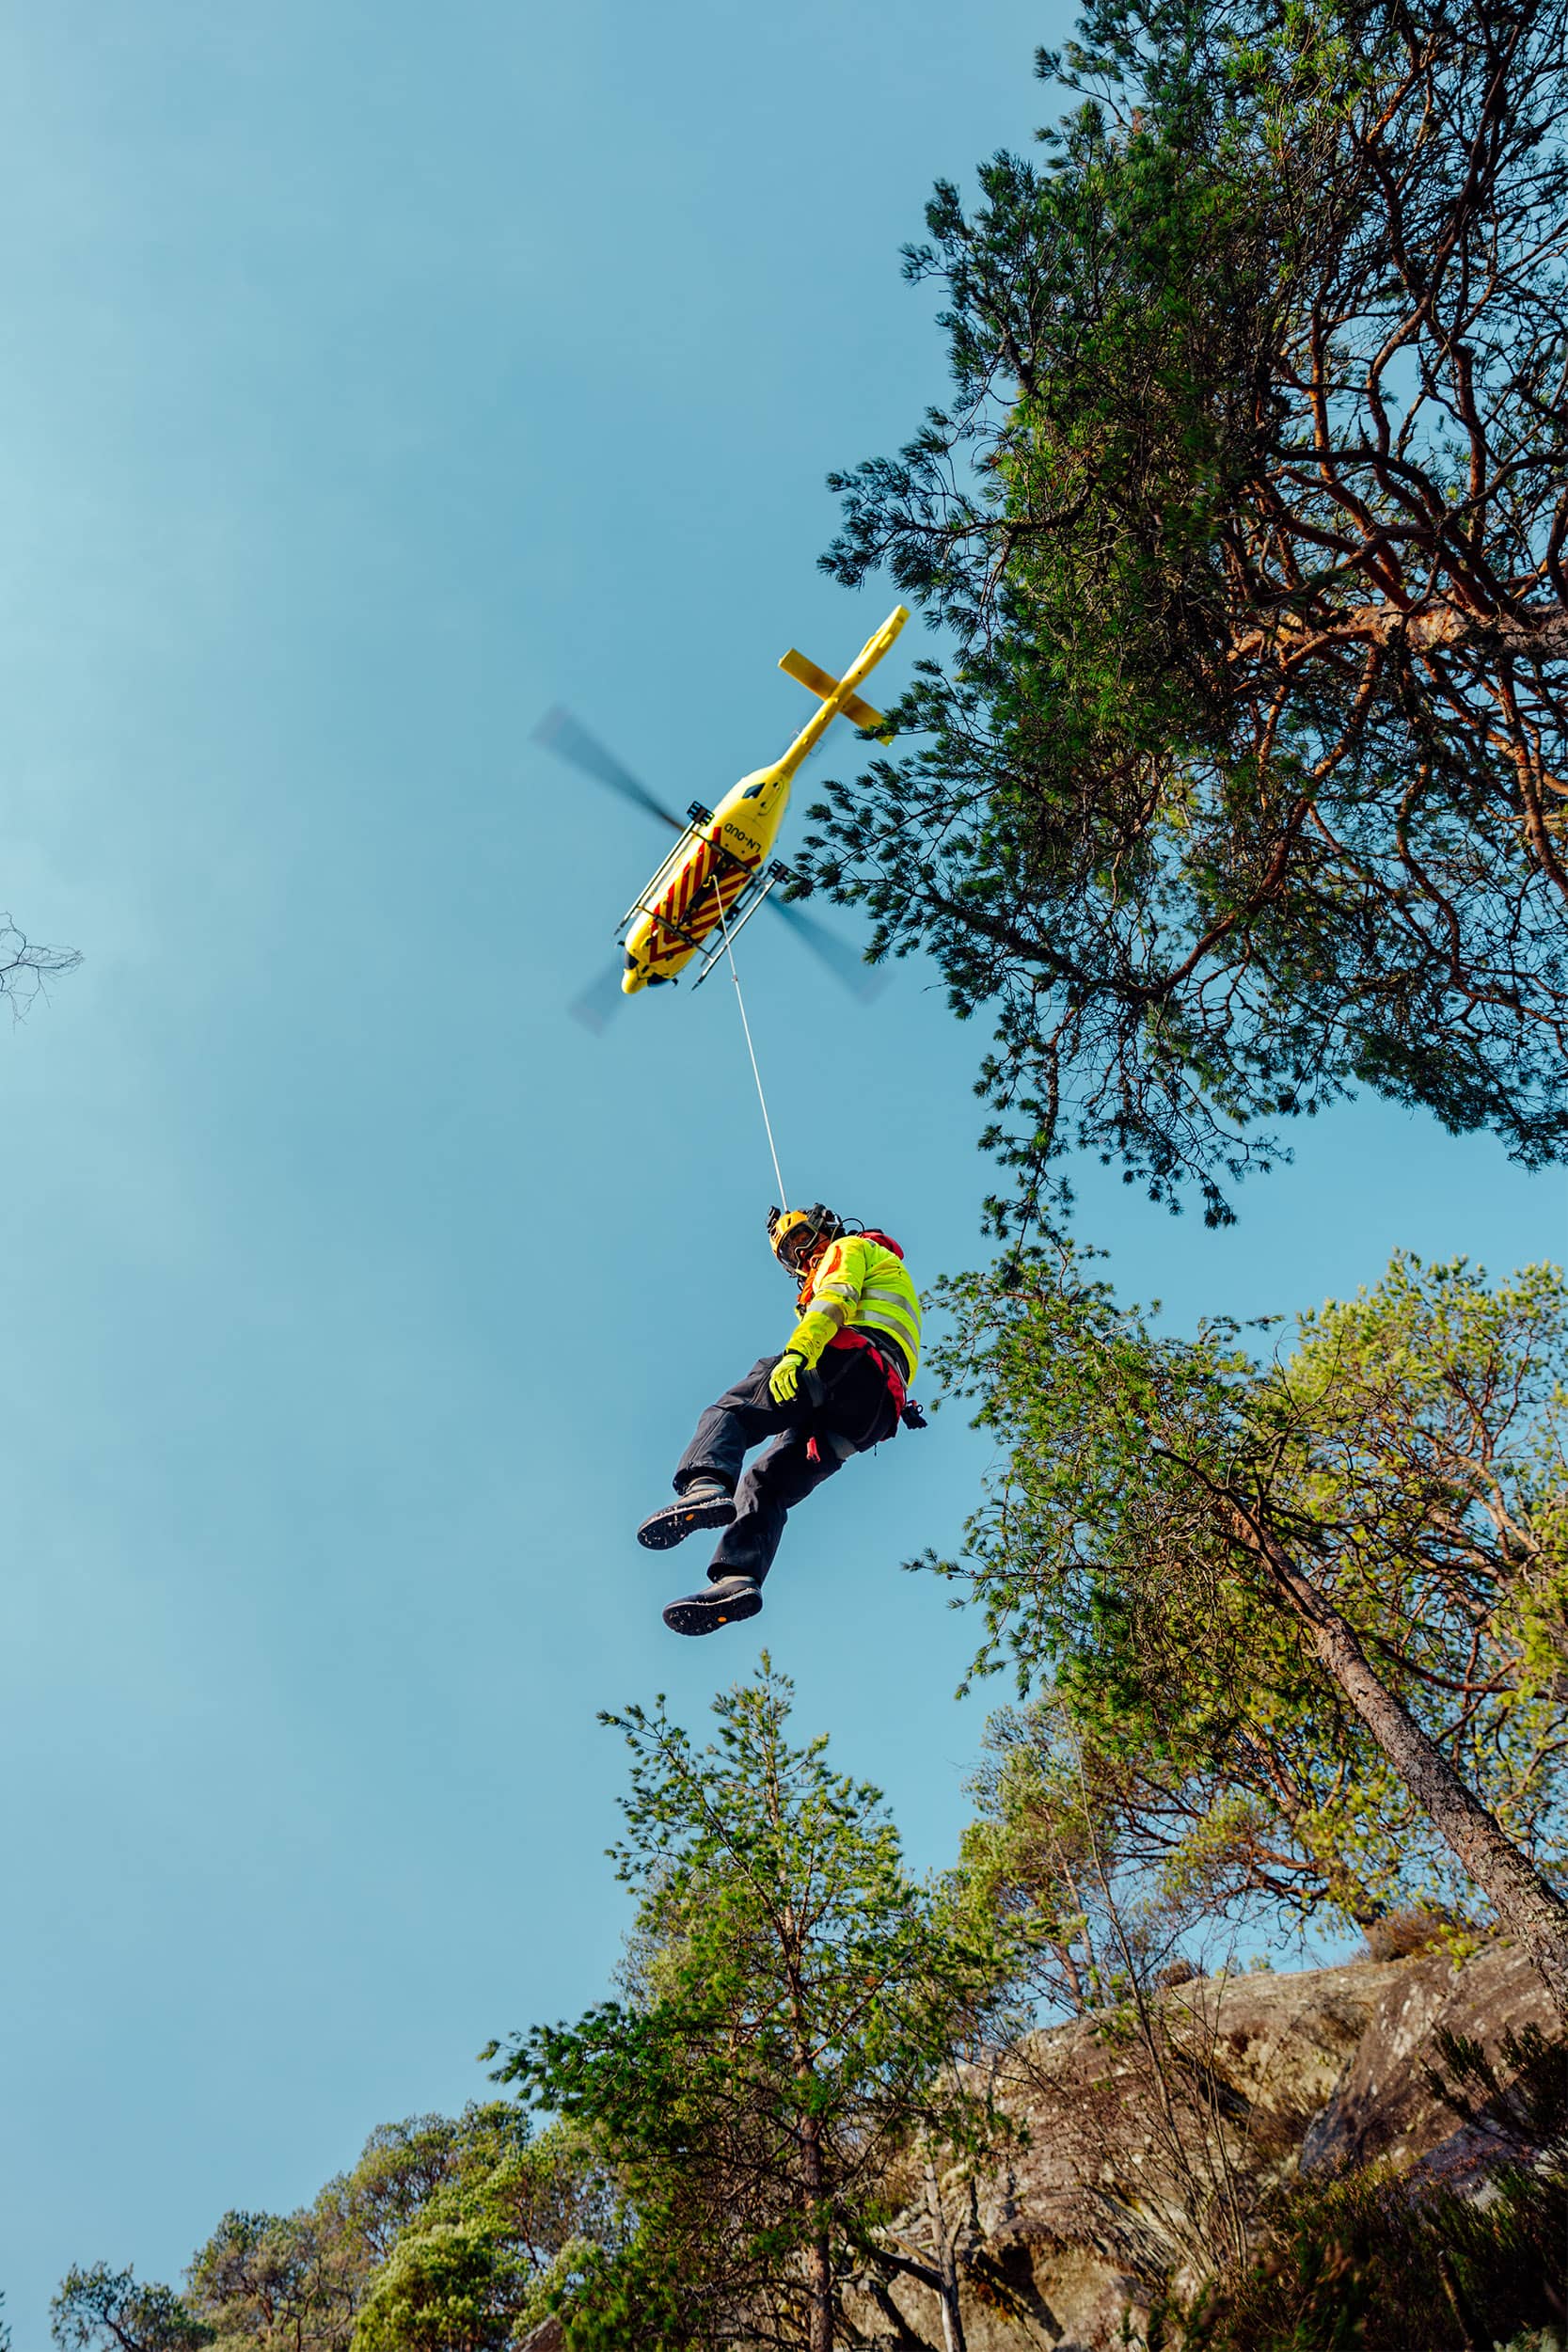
[570, 741]
[863, 980]
[600, 1001]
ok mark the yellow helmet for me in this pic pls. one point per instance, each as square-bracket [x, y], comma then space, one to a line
[796, 1234]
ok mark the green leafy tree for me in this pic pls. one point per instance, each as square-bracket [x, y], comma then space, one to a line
[448, 2231]
[1357, 1553]
[289, 2282]
[107, 2310]
[478, 2264]
[401, 2169]
[443, 2289]
[1080, 1852]
[1250, 1822]
[1099, 1927]
[793, 2005]
[1245, 784]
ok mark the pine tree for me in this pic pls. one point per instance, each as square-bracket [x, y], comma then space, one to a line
[792, 2010]
[1359, 1550]
[1245, 784]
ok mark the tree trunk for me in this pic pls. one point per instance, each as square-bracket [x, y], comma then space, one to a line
[947, 2266]
[1528, 1907]
[819, 2249]
[819, 2263]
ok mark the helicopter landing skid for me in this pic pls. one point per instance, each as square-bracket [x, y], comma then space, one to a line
[759, 882]
[763, 880]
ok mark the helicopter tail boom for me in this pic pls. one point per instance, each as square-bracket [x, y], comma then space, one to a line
[837, 694]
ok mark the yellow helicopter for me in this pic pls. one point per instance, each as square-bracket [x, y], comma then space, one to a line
[720, 870]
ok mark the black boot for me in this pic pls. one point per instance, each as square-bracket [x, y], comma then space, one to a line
[704, 1504]
[726, 1600]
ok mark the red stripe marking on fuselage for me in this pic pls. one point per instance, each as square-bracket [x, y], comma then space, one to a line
[690, 904]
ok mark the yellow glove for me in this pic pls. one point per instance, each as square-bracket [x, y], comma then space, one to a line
[784, 1378]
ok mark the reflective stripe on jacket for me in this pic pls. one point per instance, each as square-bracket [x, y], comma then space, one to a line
[859, 1284]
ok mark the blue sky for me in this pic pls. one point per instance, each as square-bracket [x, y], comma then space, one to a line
[374, 377]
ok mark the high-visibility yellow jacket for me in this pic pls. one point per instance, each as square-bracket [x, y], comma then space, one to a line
[858, 1284]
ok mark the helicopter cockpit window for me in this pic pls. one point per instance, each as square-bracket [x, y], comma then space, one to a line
[753, 791]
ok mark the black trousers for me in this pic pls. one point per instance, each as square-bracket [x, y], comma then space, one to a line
[855, 1404]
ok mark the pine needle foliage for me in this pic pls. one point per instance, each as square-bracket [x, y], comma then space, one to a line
[1371, 2264]
[102, 2310]
[1245, 785]
[793, 2007]
[1186, 1544]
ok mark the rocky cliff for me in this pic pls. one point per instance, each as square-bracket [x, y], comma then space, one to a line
[1147, 2151]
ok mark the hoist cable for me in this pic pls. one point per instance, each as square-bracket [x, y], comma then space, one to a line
[773, 1149]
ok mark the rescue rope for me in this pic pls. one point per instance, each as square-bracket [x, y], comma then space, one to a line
[773, 1149]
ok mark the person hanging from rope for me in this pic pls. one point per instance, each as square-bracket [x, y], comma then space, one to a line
[840, 1387]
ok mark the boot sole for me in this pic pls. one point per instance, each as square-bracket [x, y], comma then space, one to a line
[697, 1613]
[665, 1528]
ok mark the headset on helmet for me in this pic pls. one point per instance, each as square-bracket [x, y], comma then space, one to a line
[796, 1233]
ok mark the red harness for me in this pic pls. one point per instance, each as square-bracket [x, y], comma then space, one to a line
[898, 1387]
